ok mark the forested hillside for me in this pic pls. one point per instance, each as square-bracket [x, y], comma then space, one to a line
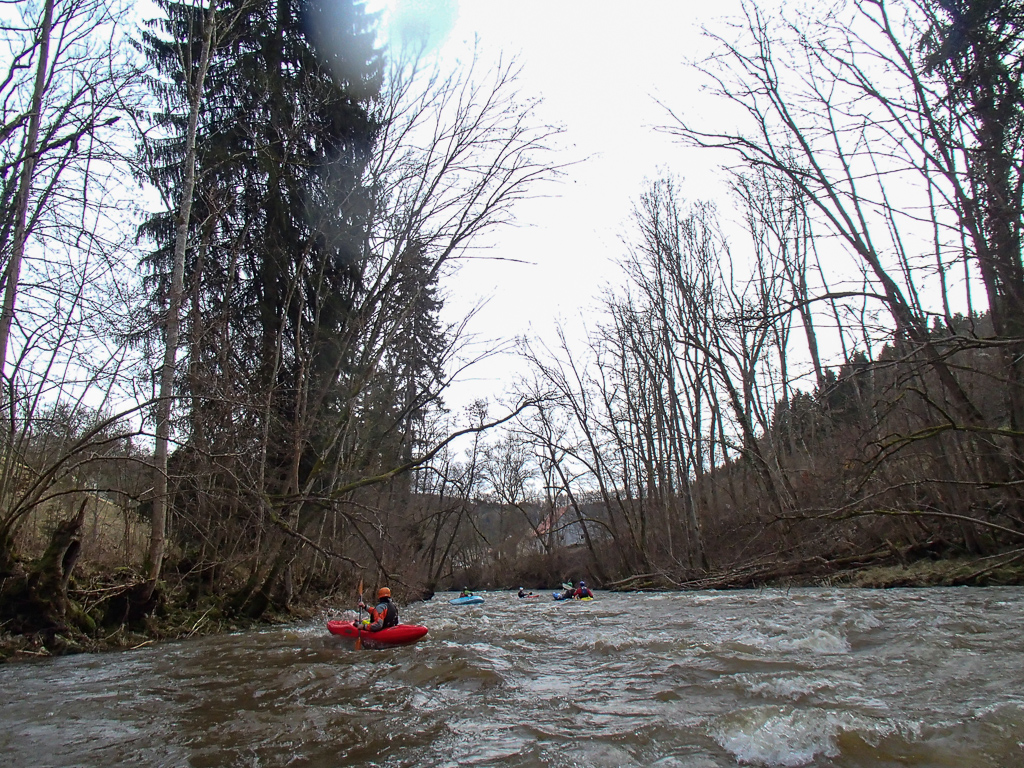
[227, 236]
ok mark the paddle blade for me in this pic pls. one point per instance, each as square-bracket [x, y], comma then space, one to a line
[359, 618]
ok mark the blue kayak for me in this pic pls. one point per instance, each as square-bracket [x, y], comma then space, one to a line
[470, 600]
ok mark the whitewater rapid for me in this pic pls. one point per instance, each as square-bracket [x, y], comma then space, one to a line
[812, 677]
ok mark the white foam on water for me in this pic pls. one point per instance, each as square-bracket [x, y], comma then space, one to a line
[782, 736]
[701, 598]
[818, 641]
[690, 761]
[750, 640]
[790, 687]
[611, 644]
[857, 620]
[602, 756]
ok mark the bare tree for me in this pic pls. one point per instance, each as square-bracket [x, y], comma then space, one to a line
[455, 154]
[64, 212]
[823, 121]
[881, 117]
[13, 272]
[55, 124]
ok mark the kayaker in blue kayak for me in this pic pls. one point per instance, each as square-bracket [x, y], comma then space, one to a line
[582, 591]
[466, 592]
[385, 615]
[568, 593]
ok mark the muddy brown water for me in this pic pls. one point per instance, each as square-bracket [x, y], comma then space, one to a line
[810, 677]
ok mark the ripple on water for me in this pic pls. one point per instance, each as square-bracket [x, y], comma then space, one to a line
[785, 736]
[458, 672]
[788, 737]
[707, 680]
[768, 642]
[817, 641]
[794, 687]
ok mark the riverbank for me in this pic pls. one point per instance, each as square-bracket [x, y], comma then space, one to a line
[176, 623]
[1002, 570]
[881, 569]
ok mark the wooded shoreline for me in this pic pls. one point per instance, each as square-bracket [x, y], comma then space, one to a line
[1006, 569]
[231, 408]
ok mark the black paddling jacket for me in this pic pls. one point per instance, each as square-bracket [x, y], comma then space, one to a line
[384, 615]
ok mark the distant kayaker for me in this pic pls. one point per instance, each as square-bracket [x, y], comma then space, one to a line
[385, 615]
[569, 591]
[524, 594]
[582, 591]
[466, 592]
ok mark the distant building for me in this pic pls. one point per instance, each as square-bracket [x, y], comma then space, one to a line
[563, 528]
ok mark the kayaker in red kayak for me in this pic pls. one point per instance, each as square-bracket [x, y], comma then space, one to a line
[385, 615]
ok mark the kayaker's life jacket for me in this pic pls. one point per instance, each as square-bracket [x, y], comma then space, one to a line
[384, 616]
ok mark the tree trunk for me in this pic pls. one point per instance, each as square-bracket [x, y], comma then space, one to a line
[38, 602]
[172, 324]
[13, 274]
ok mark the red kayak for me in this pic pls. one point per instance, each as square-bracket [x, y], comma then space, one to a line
[403, 634]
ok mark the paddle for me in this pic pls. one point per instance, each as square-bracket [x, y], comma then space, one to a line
[359, 618]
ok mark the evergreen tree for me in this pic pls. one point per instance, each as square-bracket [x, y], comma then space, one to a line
[281, 213]
[976, 47]
[278, 235]
[419, 346]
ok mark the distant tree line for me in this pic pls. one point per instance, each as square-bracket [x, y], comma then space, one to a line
[876, 171]
[824, 372]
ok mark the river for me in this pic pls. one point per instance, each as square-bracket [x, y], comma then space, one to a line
[806, 677]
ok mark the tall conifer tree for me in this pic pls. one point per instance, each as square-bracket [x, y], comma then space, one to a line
[278, 233]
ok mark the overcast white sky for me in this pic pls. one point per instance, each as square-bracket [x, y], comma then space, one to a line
[599, 67]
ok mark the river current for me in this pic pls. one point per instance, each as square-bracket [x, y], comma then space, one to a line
[806, 677]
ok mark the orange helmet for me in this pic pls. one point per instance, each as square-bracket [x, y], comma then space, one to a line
[383, 592]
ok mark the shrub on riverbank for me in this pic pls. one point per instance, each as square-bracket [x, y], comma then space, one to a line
[178, 618]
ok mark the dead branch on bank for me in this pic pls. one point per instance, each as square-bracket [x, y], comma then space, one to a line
[814, 569]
